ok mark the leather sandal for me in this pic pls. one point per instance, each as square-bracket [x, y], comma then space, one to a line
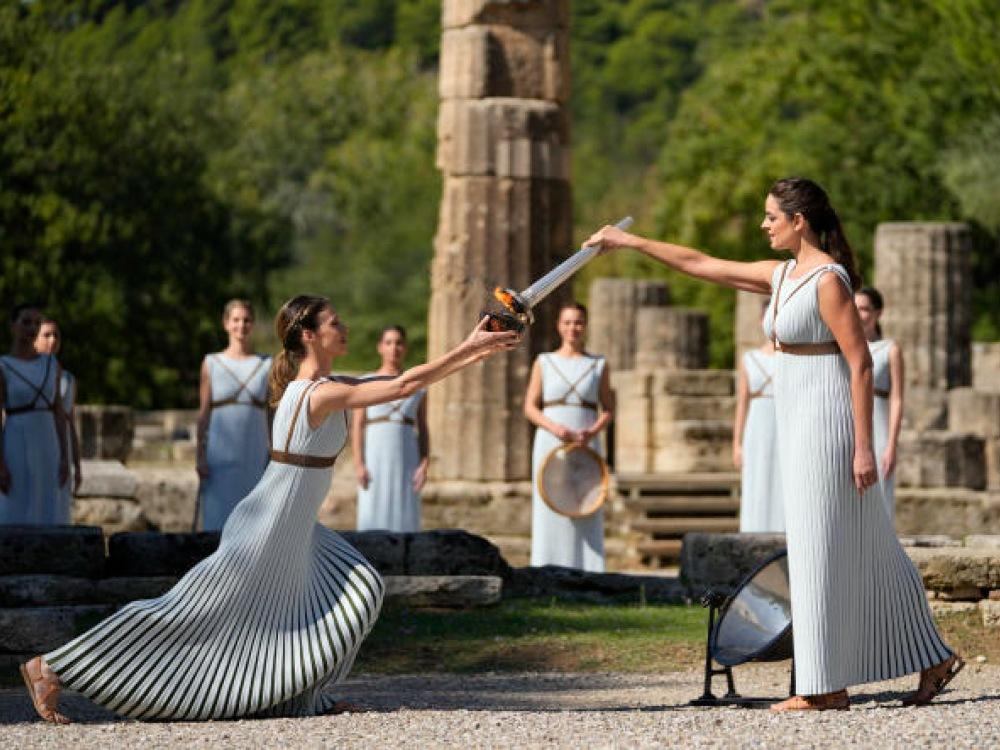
[934, 680]
[838, 701]
[44, 698]
[345, 707]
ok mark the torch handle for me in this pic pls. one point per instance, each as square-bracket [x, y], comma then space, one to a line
[547, 284]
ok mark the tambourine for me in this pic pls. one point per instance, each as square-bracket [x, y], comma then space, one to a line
[573, 480]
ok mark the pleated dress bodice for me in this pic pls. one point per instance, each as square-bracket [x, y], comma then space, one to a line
[392, 455]
[882, 377]
[761, 508]
[859, 611]
[237, 450]
[266, 625]
[30, 443]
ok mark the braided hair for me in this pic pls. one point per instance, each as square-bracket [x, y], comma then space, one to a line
[296, 315]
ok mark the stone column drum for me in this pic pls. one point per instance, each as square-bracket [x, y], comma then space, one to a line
[922, 270]
[749, 331]
[613, 305]
[671, 338]
[505, 219]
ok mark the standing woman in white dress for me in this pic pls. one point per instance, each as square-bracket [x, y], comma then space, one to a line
[273, 620]
[569, 400]
[49, 341]
[33, 461]
[755, 445]
[887, 414]
[858, 604]
[391, 446]
[233, 428]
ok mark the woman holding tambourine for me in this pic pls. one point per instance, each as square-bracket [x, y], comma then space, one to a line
[570, 401]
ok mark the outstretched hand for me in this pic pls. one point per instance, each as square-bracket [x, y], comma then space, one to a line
[611, 237]
[482, 343]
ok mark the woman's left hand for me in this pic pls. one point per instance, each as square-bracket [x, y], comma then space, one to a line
[865, 471]
[420, 476]
[888, 461]
[611, 237]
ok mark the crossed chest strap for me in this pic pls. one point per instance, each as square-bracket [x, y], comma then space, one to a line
[243, 384]
[573, 384]
[303, 460]
[39, 395]
[394, 415]
[825, 347]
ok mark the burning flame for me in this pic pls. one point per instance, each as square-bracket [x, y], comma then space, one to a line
[505, 298]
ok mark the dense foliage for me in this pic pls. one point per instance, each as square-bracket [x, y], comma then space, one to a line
[159, 156]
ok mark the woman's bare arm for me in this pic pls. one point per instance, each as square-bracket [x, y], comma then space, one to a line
[606, 397]
[895, 409]
[358, 447]
[836, 306]
[740, 422]
[750, 277]
[204, 416]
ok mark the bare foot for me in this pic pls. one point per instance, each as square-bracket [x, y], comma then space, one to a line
[838, 701]
[44, 688]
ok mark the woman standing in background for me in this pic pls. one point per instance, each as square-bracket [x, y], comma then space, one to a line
[233, 440]
[887, 373]
[33, 464]
[49, 341]
[391, 446]
[755, 445]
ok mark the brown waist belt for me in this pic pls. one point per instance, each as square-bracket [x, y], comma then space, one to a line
[881, 394]
[582, 405]
[303, 460]
[759, 395]
[827, 347]
[376, 420]
[25, 409]
[234, 402]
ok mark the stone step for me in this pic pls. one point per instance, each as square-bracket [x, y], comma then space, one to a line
[961, 572]
[61, 550]
[445, 592]
[106, 478]
[155, 554]
[665, 549]
[677, 482]
[39, 629]
[683, 505]
[568, 584]
[681, 526]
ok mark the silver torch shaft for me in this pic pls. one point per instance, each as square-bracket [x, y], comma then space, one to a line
[544, 286]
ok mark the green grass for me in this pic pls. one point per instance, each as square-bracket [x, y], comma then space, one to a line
[532, 635]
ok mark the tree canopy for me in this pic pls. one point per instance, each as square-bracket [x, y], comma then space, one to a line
[160, 156]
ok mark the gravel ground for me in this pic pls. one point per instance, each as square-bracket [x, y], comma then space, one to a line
[553, 710]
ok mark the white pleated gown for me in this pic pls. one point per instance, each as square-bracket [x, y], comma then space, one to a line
[264, 626]
[237, 451]
[557, 539]
[761, 508]
[392, 454]
[67, 391]
[880, 418]
[859, 611]
[31, 445]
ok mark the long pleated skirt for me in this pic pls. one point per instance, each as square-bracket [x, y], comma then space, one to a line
[264, 626]
[858, 604]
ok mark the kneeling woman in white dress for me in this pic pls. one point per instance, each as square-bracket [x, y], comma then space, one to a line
[755, 446]
[273, 620]
[391, 446]
[569, 400]
[34, 469]
[232, 420]
[858, 604]
[887, 373]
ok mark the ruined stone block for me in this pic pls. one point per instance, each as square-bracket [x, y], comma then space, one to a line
[941, 459]
[986, 366]
[449, 592]
[36, 630]
[720, 561]
[695, 446]
[59, 550]
[111, 514]
[479, 62]
[693, 383]
[748, 330]
[671, 338]
[954, 511]
[524, 138]
[957, 568]
[106, 478]
[975, 411]
[613, 306]
[151, 554]
[991, 613]
[524, 14]
[104, 431]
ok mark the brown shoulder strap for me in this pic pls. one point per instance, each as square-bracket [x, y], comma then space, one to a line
[295, 415]
[242, 383]
[40, 388]
[573, 384]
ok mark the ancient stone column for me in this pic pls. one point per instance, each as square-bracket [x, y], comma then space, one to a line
[613, 305]
[505, 219]
[922, 270]
[671, 338]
